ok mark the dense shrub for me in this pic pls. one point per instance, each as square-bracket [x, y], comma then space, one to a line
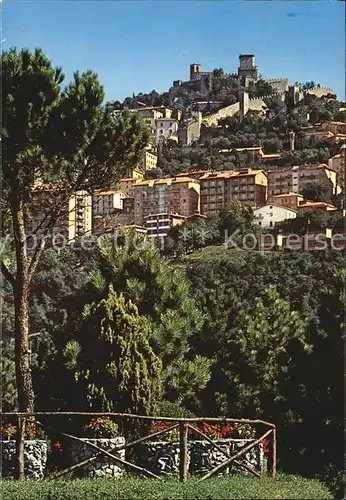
[287, 487]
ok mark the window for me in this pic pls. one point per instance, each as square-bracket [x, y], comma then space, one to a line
[260, 223]
[171, 124]
[271, 214]
[271, 223]
[161, 124]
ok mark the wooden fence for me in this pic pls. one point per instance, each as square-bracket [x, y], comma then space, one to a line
[184, 425]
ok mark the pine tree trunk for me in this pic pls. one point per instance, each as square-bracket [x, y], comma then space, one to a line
[23, 370]
[21, 306]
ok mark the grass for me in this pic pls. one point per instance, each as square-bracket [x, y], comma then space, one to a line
[236, 487]
[210, 252]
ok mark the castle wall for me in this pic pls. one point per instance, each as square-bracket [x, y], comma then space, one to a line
[320, 92]
[279, 84]
[222, 113]
[256, 104]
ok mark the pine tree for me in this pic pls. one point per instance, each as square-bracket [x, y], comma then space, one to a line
[49, 131]
[259, 350]
[134, 266]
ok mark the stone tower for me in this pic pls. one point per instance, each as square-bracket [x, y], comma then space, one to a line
[247, 67]
[243, 98]
[294, 95]
[195, 71]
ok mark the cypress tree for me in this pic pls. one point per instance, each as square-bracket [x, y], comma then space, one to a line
[115, 365]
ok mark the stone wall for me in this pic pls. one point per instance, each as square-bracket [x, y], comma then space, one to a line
[222, 113]
[257, 104]
[163, 457]
[254, 104]
[279, 84]
[35, 458]
[103, 466]
[320, 92]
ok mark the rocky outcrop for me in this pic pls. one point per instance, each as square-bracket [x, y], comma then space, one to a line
[103, 466]
[35, 458]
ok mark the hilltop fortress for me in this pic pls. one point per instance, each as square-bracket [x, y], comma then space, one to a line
[247, 72]
[201, 82]
[209, 96]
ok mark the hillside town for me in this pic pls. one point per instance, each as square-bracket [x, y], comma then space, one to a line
[275, 190]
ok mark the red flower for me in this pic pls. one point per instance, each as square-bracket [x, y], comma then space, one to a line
[57, 444]
[9, 425]
[265, 443]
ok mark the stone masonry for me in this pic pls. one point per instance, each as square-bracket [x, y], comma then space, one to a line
[162, 457]
[104, 466]
[35, 458]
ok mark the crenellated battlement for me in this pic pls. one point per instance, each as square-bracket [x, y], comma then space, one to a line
[320, 91]
[276, 80]
[268, 96]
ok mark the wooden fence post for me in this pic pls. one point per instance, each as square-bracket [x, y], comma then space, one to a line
[20, 448]
[272, 456]
[183, 459]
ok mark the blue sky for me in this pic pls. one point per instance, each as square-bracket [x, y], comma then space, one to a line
[137, 46]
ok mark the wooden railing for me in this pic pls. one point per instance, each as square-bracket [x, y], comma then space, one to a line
[184, 424]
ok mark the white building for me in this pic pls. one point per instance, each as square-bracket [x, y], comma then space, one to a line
[158, 225]
[166, 128]
[269, 215]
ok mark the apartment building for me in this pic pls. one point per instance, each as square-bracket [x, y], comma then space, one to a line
[270, 214]
[213, 192]
[297, 178]
[178, 195]
[318, 174]
[248, 187]
[106, 202]
[220, 189]
[106, 205]
[127, 184]
[158, 225]
[280, 182]
[127, 215]
[74, 218]
[287, 200]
